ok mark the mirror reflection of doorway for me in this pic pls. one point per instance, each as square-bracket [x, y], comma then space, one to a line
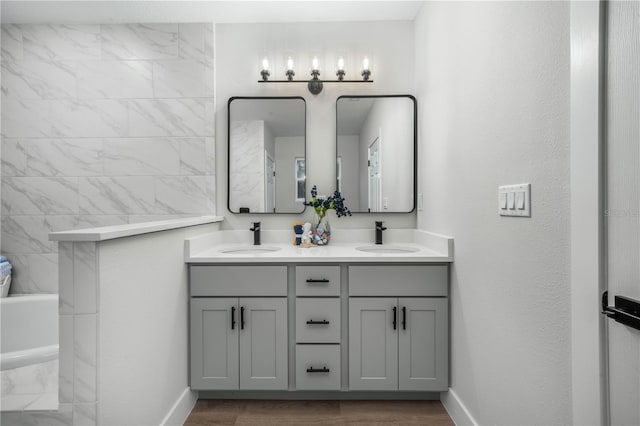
[269, 183]
[375, 192]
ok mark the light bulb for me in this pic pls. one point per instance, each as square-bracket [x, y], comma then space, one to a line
[365, 63]
[290, 63]
[340, 63]
[314, 63]
[265, 64]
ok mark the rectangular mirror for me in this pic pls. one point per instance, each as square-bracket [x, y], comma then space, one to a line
[267, 148]
[376, 152]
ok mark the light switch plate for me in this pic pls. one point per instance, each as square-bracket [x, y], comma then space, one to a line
[518, 200]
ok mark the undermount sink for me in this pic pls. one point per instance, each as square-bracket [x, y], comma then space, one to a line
[250, 250]
[387, 249]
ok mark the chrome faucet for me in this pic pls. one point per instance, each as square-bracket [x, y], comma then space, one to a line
[379, 229]
[256, 233]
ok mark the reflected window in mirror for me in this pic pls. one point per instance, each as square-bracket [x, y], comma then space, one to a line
[376, 152]
[267, 135]
[301, 179]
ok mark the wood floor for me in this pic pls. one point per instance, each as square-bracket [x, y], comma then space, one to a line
[277, 413]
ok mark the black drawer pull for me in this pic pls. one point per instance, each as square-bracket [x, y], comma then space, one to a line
[242, 318]
[318, 370]
[323, 322]
[233, 317]
[321, 280]
[404, 317]
[395, 317]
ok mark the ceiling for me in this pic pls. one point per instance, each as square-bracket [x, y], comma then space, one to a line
[115, 11]
[284, 117]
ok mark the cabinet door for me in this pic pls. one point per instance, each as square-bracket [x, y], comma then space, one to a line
[423, 345]
[214, 343]
[373, 344]
[263, 343]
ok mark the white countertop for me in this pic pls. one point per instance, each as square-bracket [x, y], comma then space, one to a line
[430, 248]
[118, 231]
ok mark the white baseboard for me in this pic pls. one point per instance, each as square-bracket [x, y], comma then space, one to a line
[178, 414]
[456, 409]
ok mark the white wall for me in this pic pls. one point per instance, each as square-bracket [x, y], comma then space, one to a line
[239, 51]
[143, 328]
[392, 121]
[287, 150]
[494, 109]
[348, 149]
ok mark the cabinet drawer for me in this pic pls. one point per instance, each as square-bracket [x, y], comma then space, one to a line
[318, 281]
[312, 363]
[398, 280]
[325, 313]
[238, 280]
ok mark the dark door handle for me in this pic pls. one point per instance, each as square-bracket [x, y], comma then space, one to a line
[395, 317]
[323, 322]
[318, 370]
[625, 310]
[404, 317]
[321, 280]
[233, 317]
[242, 318]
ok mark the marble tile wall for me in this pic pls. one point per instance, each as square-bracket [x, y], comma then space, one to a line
[246, 165]
[30, 388]
[101, 125]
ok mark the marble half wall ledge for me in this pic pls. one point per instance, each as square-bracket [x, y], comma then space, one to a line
[128, 230]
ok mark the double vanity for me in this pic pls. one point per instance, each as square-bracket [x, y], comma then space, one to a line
[350, 316]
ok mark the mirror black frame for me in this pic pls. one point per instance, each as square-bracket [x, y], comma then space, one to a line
[415, 145]
[231, 99]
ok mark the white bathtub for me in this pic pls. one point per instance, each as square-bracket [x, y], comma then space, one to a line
[29, 330]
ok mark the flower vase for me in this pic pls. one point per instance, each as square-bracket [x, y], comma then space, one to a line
[321, 232]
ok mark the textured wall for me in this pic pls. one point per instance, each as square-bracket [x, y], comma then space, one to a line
[101, 125]
[494, 110]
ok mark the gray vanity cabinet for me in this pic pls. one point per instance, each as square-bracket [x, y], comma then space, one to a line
[214, 344]
[239, 342]
[253, 325]
[398, 343]
[373, 344]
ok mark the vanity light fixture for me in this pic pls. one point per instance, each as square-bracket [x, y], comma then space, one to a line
[340, 73]
[315, 85]
[265, 70]
[366, 72]
[290, 73]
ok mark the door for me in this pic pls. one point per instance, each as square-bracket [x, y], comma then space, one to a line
[375, 184]
[263, 343]
[269, 183]
[214, 343]
[373, 344]
[423, 344]
[623, 204]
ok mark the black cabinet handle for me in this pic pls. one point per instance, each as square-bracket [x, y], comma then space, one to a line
[395, 316]
[318, 370]
[321, 280]
[323, 322]
[233, 317]
[242, 318]
[404, 317]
